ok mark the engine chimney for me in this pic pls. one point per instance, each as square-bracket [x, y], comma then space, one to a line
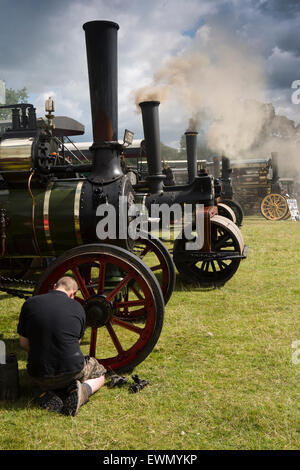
[152, 140]
[216, 167]
[275, 186]
[101, 48]
[191, 153]
[226, 179]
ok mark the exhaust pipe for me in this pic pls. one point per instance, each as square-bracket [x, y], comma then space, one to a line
[150, 118]
[191, 153]
[101, 49]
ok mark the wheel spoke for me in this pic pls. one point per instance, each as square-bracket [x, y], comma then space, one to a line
[202, 268]
[144, 252]
[93, 342]
[129, 303]
[136, 292]
[221, 241]
[213, 266]
[101, 279]
[155, 268]
[80, 282]
[222, 265]
[119, 287]
[114, 338]
[127, 326]
[229, 244]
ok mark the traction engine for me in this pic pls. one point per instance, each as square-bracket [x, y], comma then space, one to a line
[49, 214]
[221, 247]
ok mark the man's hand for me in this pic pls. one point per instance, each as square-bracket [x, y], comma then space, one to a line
[24, 343]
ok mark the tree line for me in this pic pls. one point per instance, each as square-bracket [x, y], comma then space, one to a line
[13, 97]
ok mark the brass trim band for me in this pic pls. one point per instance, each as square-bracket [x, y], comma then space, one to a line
[77, 212]
[46, 223]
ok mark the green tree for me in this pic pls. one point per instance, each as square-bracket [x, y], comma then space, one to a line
[13, 97]
[168, 153]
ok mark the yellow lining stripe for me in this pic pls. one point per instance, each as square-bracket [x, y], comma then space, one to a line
[46, 222]
[77, 212]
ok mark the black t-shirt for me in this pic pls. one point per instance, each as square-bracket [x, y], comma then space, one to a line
[53, 324]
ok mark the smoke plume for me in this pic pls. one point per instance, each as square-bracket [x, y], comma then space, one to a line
[221, 84]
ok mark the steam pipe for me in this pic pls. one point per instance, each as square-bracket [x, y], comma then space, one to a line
[152, 140]
[191, 153]
[101, 49]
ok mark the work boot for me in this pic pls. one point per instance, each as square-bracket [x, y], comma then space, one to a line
[77, 395]
[50, 401]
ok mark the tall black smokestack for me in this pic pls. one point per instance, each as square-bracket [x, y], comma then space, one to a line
[275, 172]
[191, 153]
[226, 168]
[152, 140]
[101, 48]
[226, 179]
[275, 186]
[216, 167]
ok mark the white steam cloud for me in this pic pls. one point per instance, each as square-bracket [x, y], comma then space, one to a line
[221, 84]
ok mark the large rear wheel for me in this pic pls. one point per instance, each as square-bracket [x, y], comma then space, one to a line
[113, 283]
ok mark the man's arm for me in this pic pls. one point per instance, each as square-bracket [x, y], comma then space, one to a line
[24, 343]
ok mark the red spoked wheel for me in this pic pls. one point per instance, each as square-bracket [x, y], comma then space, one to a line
[112, 283]
[157, 257]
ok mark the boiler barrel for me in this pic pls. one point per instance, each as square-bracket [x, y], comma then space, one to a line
[47, 227]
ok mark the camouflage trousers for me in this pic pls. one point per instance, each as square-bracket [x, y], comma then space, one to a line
[91, 370]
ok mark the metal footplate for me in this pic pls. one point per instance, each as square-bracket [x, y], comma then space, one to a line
[196, 255]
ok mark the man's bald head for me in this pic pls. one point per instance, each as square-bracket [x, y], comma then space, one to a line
[68, 285]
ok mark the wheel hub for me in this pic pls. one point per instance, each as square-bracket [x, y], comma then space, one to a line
[98, 311]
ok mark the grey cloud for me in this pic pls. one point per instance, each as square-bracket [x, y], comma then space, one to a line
[278, 8]
[43, 45]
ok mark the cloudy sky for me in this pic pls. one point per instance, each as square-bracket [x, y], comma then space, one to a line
[43, 49]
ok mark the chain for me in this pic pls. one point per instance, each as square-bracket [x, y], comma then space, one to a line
[22, 294]
[11, 280]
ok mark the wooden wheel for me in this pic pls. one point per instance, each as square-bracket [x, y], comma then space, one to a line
[215, 268]
[112, 282]
[274, 207]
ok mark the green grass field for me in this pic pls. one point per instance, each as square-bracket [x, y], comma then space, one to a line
[221, 375]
